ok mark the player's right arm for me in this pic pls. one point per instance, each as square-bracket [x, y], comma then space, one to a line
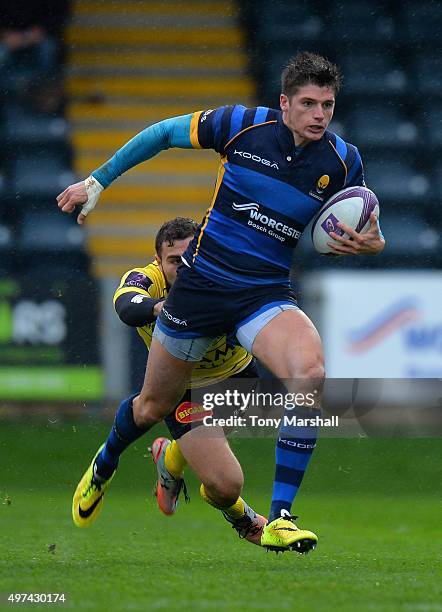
[210, 129]
[175, 132]
[137, 300]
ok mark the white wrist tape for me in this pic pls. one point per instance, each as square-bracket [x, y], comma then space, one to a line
[93, 190]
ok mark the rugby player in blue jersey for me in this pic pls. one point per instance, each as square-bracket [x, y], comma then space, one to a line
[277, 167]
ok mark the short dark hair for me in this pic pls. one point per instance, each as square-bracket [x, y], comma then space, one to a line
[175, 229]
[305, 68]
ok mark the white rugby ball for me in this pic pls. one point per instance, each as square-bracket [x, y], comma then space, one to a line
[352, 206]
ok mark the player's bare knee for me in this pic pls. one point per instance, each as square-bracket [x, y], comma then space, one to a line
[146, 412]
[310, 370]
[314, 376]
[308, 377]
[315, 373]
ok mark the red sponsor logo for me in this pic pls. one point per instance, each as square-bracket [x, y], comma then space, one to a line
[188, 412]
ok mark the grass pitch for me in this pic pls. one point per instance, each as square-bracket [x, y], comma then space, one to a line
[375, 505]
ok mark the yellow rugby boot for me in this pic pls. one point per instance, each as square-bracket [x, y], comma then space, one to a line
[282, 534]
[88, 497]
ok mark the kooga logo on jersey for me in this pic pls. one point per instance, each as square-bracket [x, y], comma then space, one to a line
[269, 223]
[256, 158]
[174, 319]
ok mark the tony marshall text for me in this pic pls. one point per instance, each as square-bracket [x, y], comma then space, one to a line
[255, 421]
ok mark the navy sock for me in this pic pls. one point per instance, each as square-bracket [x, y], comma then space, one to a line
[123, 433]
[294, 449]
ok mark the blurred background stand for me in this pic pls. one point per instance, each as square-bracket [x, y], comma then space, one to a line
[78, 79]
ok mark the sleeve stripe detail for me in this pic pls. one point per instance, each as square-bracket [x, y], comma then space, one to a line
[248, 128]
[194, 130]
[357, 165]
[341, 160]
[217, 123]
[236, 120]
[260, 115]
[219, 181]
[341, 147]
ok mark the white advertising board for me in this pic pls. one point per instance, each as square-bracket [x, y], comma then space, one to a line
[378, 324]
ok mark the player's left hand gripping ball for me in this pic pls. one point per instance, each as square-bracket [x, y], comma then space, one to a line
[371, 242]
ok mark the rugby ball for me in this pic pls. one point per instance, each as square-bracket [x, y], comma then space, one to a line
[352, 206]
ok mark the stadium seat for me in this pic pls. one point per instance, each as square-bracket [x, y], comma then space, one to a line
[396, 179]
[361, 69]
[431, 118]
[42, 231]
[403, 230]
[287, 22]
[381, 125]
[23, 126]
[40, 174]
[358, 22]
[427, 69]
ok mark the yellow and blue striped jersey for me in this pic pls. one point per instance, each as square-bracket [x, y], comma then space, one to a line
[220, 361]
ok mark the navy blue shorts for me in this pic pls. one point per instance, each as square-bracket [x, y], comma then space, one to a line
[197, 306]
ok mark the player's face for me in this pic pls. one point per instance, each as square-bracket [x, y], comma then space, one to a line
[308, 112]
[170, 258]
